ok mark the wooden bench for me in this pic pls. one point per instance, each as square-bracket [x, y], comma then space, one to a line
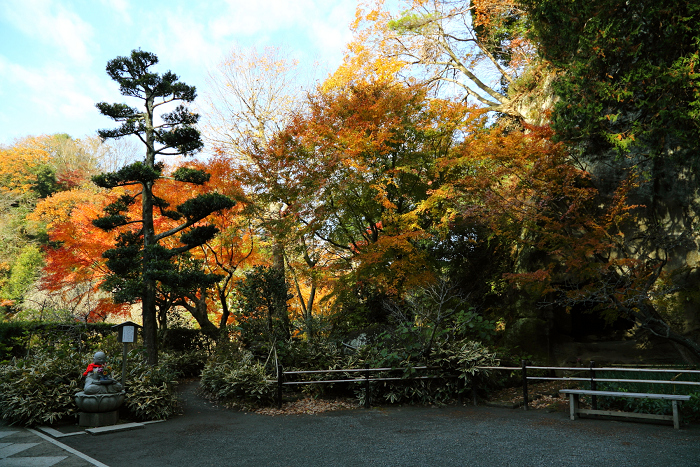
[575, 410]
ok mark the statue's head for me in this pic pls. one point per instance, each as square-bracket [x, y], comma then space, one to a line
[100, 358]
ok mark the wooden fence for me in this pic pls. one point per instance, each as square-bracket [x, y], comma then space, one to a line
[284, 378]
[366, 376]
[588, 375]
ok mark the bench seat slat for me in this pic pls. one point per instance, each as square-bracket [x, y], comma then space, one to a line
[638, 395]
[575, 409]
[615, 413]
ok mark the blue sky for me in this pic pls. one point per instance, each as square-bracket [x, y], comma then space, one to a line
[53, 52]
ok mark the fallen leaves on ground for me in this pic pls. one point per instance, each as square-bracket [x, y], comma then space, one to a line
[309, 406]
[541, 395]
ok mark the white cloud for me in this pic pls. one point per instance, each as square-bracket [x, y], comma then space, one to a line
[331, 32]
[53, 25]
[50, 99]
[121, 7]
[183, 40]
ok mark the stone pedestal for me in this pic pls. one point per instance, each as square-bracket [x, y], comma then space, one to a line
[98, 418]
[99, 409]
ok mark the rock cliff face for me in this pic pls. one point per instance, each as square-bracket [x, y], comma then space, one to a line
[667, 225]
[666, 228]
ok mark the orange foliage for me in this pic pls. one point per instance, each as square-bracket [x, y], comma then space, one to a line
[75, 269]
[19, 163]
[77, 263]
[365, 61]
[353, 171]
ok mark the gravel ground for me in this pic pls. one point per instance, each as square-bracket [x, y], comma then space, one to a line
[207, 435]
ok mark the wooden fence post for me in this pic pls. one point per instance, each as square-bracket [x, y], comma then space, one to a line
[525, 399]
[280, 378]
[594, 399]
[367, 401]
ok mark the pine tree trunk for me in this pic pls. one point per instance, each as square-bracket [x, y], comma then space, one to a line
[148, 313]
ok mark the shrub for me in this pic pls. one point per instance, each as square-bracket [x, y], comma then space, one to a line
[239, 379]
[18, 337]
[690, 411]
[187, 364]
[181, 339]
[451, 361]
[150, 393]
[40, 390]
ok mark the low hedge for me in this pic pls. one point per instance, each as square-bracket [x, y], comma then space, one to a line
[39, 389]
[18, 337]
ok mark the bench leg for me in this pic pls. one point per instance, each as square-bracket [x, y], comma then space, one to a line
[573, 406]
[676, 421]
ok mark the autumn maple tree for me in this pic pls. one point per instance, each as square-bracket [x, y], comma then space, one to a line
[75, 269]
[33, 169]
[351, 172]
[571, 245]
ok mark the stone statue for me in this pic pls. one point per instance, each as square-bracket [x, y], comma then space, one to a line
[95, 381]
[101, 397]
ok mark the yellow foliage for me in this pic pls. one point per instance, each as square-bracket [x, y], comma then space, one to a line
[18, 162]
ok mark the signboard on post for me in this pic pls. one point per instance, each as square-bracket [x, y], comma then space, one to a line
[126, 334]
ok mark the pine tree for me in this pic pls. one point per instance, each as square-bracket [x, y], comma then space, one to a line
[140, 263]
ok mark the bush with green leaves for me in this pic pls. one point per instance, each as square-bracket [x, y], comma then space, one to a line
[39, 388]
[302, 355]
[239, 379]
[690, 410]
[19, 338]
[150, 391]
[185, 364]
[453, 367]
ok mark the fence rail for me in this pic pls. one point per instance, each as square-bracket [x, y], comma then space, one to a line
[282, 380]
[591, 378]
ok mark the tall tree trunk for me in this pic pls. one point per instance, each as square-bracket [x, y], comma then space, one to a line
[148, 313]
[281, 308]
[201, 314]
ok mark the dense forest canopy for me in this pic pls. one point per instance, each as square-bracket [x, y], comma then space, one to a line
[525, 158]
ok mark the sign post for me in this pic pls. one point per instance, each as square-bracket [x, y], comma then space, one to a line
[126, 334]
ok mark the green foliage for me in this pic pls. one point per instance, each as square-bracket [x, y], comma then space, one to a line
[448, 358]
[238, 378]
[175, 134]
[120, 206]
[23, 274]
[302, 355]
[39, 390]
[18, 337]
[411, 22]
[630, 71]
[134, 78]
[129, 175]
[111, 222]
[178, 339]
[150, 393]
[196, 176]
[202, 205]
[263, 296]
[691, 409]
[45, 184]
[305, 355]
[199, 235]
[185, 364]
